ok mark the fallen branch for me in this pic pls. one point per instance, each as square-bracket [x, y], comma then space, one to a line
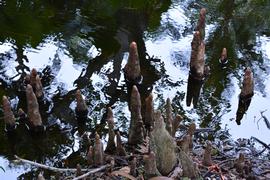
[47, 167]
[92, 171]
[262, 143]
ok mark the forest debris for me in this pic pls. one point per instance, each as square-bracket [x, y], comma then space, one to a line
[9, 117]
[132, 69]
[135, 135]
[169, 116]
[119, 147]
[149, 112]
[111, 147]
[98, 151]
[163, 146]
[55, 169]
[150, 165]
[207, 159]
[33, 108]
[124, 172]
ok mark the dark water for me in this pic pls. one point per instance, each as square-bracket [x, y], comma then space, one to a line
[84, 44]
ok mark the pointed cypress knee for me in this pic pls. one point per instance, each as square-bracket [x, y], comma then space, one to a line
[150, 165]
[135, 135]
[98, 152]
[132, 69]
[133, 166]
[223, 57]
[33, 110]
[119, 148]
[33, 75]
[81, 109]
[22, 116]
[207, 159]
[90, 156]
[149, 112]
[9, 117]
[169, 116]
[175, 125]
[190, 132]
[163, 145]
[111, 147]
[39, 88]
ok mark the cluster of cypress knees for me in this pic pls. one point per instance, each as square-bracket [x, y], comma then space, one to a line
[164, 151]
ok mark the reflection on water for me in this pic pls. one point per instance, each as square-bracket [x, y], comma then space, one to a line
[71, 50]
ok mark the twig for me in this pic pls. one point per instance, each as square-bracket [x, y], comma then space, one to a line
[265, 119]
[47, 167]
[91, 172]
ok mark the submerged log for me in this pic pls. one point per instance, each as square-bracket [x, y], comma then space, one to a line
[163, 145]
[150, 165]
[149, 112]
[169, 116]
[111, 147]
[245, 96]
[33, 110]
[132, 70]
[81, 109]
[135, 135]
[9, 117]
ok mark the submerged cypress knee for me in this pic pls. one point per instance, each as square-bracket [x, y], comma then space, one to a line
[135, 135]
[163, 145]
[111, 147]
[81, 108]
[9, 117]
[33, 109]
[132, 69]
